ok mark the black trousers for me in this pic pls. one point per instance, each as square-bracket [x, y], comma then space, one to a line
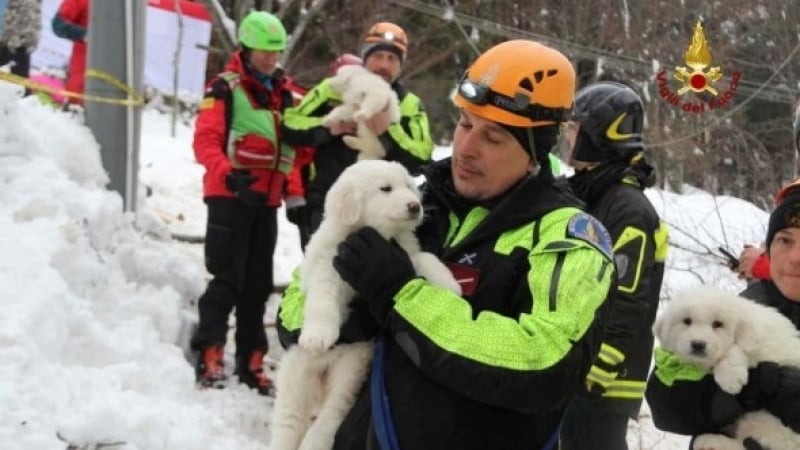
[19, 56]
[239, 247]
[587, 425]
[315, 213]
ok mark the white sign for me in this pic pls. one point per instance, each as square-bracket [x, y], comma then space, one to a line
[161, 43]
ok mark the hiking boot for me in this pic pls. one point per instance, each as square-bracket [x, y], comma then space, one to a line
[210, 370]
[251, 373]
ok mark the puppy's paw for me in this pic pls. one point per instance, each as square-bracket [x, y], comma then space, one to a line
[361, 116]
[332, 118]
[730, 379]
[354, 142]
[367, 148]
[312, 441]
[430, 267]
[716, 442]
[318, 338]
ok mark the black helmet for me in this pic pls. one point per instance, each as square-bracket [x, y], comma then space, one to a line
[611, 117]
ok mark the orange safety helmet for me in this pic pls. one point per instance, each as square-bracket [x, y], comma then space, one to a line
[794, 186]
[520, 83]
[385, 36]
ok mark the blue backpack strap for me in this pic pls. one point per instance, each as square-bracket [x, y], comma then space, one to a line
[381, 412]
[552, 443]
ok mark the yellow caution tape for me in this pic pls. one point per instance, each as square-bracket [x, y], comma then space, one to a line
[133, 98]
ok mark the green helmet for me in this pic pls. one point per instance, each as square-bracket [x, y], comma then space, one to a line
[261, 30]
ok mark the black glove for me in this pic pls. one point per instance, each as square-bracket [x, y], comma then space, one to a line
[752, 444]
[724, 409]
[775, 388]
[374, 267]
[360, 326]
[239, 182]
[297, 215]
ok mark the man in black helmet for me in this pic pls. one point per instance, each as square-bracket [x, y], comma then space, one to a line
[610, 176]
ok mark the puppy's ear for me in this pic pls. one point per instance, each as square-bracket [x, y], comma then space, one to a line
[339, 80]
[744, 334]
[342, 78]
[337, 83]
[344, 202]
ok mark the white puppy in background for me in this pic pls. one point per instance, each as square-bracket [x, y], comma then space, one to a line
[313, 378]
[727, 334]
[364, 94]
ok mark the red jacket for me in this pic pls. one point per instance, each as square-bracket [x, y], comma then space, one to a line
[213, 126]
[75, 14]
[295, 183]
[761, 267]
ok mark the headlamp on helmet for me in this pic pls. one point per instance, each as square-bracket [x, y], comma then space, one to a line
[385, 36]
[519, 83]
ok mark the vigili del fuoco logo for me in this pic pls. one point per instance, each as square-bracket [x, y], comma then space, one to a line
[699, 77]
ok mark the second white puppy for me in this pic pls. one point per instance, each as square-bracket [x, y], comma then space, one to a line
[727, 334]
[364, 94]
[313, 378]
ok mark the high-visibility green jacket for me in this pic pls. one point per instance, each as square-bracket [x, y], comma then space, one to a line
[495, 367]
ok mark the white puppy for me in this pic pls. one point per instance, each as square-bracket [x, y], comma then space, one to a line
[313, 378]
[727, 334]
[364, 94]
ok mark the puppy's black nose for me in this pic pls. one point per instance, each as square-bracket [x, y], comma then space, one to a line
[698, 347]
[413, 208]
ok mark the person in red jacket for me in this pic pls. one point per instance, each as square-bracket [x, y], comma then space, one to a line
[754, 261]
[71, 22]
[237, 139]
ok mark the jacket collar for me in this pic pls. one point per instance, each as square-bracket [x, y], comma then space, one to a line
[523, 203]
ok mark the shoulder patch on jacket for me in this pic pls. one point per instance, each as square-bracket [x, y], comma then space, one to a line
[217, 89]
[587, 228]
[207, 103]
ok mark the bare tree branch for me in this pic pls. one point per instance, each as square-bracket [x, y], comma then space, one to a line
[176, 62]
[302, 23]
[225, 37]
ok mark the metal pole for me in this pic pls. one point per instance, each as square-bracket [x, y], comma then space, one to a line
[116, 48]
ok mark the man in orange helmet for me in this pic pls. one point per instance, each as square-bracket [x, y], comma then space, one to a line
[495, 366]
[384, 51]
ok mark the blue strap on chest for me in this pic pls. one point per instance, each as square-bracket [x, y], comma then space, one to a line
[552, 443]
[381, 412]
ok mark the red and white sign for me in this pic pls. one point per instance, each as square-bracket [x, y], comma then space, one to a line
[161, 44]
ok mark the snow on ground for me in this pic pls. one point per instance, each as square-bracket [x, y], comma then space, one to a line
[95, 300]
